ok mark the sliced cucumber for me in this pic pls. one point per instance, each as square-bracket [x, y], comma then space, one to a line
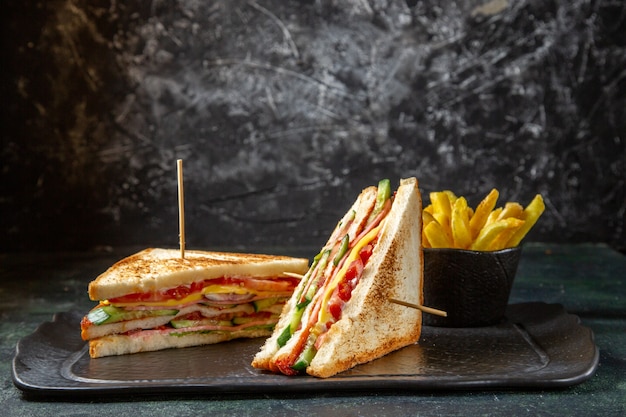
[284, 336]
[181, 324]
[293, 325]
[345, 243]
[264, 303]
[307, 355]
[111, 314]
[384, 194]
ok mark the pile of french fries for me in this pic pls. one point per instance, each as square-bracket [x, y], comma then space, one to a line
[448, 222]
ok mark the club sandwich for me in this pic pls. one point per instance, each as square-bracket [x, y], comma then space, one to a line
[156, 299]
[340, 316]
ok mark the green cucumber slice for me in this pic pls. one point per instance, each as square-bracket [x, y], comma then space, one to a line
[111, 314]
[345, 243]
[180, 324]
[384, 194]
[306, 356]
[264, 303]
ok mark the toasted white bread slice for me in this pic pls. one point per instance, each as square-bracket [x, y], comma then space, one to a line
[153, 269]
[370, 326]
[151, 341]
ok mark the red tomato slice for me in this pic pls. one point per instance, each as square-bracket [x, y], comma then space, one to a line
[366, 253]
[335, 309]
[283, 284]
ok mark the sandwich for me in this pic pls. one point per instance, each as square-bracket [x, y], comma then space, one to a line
[340, 316]
[156, 299]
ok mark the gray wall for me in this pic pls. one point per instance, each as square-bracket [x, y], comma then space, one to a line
[284, 110]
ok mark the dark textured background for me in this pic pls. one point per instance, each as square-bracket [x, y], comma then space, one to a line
[284, 110]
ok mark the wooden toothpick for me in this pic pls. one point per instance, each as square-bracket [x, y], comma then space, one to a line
[425, 309]
[293, 275]
[181, 208]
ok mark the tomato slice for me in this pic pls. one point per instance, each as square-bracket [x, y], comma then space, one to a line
[279, 284]
[335, 310]
[366, 253]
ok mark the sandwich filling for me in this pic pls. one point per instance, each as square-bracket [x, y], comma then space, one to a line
[226, 304]
[334, 274]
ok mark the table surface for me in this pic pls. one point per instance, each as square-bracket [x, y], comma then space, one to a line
[588, 280]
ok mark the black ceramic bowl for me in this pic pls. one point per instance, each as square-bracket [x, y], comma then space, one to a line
[473, 287]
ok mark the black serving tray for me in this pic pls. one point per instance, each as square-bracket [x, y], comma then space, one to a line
[538, 346]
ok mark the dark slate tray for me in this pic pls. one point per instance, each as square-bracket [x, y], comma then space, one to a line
[539, 346]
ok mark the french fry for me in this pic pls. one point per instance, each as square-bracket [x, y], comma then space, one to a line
[436, 235]
[460, 224]
[441, 203]
[444, 222]
[489, 233]
[481, 214]
[493, 217]
[511, 209]
[426, 219]
[501, 241]
[531, 214]
[451, 197]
